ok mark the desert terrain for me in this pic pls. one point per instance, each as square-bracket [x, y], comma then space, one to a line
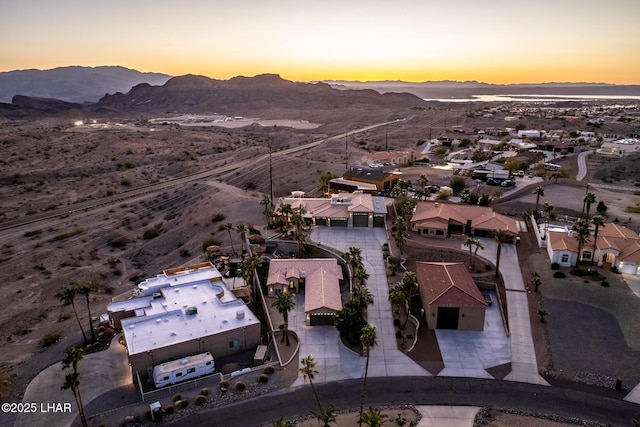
[144, 208]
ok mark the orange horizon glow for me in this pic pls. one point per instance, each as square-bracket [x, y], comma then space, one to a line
[413, 41]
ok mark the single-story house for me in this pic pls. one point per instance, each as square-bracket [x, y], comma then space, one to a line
[341, 210]
[341, 185]
[318, 278]
[616, 247]
[450, 298]
[383, 180]
[183, 312]
[442, 219]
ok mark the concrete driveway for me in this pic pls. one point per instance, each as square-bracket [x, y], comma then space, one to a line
[99, 373]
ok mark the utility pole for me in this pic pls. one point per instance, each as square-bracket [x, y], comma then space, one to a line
[346, 151]
[386, 138]
[270, 176]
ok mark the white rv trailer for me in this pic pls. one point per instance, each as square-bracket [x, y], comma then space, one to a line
[552, 167]
[183, 369]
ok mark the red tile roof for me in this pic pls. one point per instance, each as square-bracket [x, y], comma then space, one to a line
[482, 218]
[448, 285]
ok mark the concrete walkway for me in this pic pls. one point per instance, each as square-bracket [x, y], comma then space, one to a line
[447, 416]
[524, 367]
[385, 359]
[99, 373]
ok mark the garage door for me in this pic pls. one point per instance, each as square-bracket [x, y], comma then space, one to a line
[321, 221]
[338, 222]
[378, 220]
[321, 319]
[360, 220]
[448, 317]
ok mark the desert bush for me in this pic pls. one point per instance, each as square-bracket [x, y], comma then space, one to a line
[119, 242]
[559, 275]
[580, 272]
[204, 391]
[269, 369]
[217, 217]
[151, 232]
[224, 384]
[200, 399]
[49, 339]
[555, 266]
[263, 378]
[177, 397]
[240, 386]
[63, 316]
[183, 403]
[169, 409]
[184, 252]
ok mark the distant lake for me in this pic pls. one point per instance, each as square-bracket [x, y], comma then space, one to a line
[537, 98]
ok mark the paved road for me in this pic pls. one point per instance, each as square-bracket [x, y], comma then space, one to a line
[382, 391]
[582, 165]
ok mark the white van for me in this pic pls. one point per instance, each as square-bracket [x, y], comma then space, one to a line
[183, 369]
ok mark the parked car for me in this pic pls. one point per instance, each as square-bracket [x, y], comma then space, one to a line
[508, 183]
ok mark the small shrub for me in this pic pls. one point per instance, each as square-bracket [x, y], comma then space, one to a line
[204, 392]
[604, 283]
[177, 397]
[63, 316]
[169, 409]
[151, 233]
[184, 252]
[487, 267]
[183, 403]
[210, 241]
[200, 400]
[269, 369]
[263, 378]
[580, 272]
[398, 335]
[555, 266]
[559, 275]
[224, 384]
[240, 386]
[119, 242]
[217, 217]
[49, 339]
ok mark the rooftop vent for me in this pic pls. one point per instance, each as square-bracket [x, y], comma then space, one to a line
[193, 310]
[240, 314]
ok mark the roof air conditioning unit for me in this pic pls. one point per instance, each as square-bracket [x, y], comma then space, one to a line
[240, 314]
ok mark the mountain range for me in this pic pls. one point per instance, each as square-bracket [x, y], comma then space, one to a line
[122, 90]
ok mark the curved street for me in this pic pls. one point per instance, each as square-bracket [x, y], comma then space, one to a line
[390, 391]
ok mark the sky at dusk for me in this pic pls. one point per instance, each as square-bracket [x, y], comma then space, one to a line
[494, 41]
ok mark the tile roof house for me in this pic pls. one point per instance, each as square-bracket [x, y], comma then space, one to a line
[341, 210]
[383, 180]
[180, 313]
[318, 278]
[438, 219]
[616, 246]
[450, 297]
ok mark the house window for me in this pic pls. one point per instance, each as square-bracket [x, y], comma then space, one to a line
[439, 233]
[292, 284]
[565, 258]
[278, 291]
[432, 231]
[178, 374]
[586, 255]
[233, 344]
[191, 370]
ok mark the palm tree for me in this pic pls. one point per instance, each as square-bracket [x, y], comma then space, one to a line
[374, 418]
[282, 423]
[400, 232]
[398, 295]
[327, 415]
[68, 297]
[286, 210]
[309, 372]
[86, 289]
[588, 200]
[581, 234]
[597, 221]
[423, 181]
[536, 281]
[362, 297]
[500, 237]
[242, 230]
[71, 359]
[267, 211]
[478, 244]
[229, 227]
[284, 303]
[362, 276]
[469, 242]
[353, 258]
[368, 339]
[539, 192]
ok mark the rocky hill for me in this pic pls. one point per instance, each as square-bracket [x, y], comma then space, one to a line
[73, 84]
[243, 95]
